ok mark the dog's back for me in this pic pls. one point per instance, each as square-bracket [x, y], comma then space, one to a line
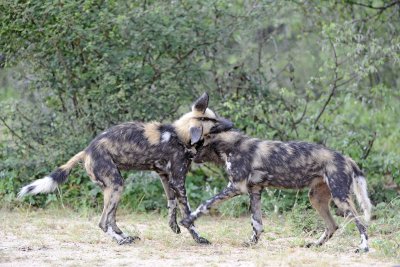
[138, 145]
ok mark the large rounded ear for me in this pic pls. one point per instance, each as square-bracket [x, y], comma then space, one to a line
[195, 134]
[201, 103]
[223, 125]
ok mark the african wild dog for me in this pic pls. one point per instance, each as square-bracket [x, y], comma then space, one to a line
[165, 148]
[253, 164]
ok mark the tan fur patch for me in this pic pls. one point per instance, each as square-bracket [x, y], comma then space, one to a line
[299, 161]
[73, 161]
[264, 149]
[256, 177]
[317, 180]
[241, 186]
[228, 137]
[209, 114]
[183, 124]
[289, 149]
[107, 144]
[347, 167]
[330, 168]
[89, 167]
[245, 145]
[152, 133]
[323, 155]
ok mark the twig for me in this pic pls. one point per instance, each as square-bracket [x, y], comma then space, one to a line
[334, 86]
[302, 115]
[373, 7]
[370, 144]
[15, 134]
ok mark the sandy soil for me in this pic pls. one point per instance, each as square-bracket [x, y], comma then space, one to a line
[54, 238]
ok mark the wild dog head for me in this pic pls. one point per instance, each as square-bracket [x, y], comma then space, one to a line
[200, 121]
[213, 142]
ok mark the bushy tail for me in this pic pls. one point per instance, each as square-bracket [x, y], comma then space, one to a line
[50, 183]
[360, 189]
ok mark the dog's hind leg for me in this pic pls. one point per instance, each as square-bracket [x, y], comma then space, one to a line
[256, 215]
[172, 203]
[347, 206]
[320, 197]
[104, 172]
[112, 195]
[339, 183]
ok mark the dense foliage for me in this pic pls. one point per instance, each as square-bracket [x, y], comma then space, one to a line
[325, 72]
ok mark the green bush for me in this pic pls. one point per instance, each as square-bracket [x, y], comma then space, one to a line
[324, 72]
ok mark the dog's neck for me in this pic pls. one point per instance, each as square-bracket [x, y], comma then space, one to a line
[225, 142]
[190, 149]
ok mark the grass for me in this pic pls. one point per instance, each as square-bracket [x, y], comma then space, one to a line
[64, 237]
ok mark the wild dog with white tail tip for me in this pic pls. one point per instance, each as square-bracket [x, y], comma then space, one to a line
[253, 164]
[165, 148]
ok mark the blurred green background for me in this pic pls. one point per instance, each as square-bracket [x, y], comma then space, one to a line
[320, 71]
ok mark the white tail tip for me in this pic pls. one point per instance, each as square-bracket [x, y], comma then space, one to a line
[44, 185]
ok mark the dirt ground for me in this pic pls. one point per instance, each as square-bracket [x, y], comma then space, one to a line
[62, 237]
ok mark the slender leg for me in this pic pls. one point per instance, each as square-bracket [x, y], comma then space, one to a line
[320, 197]
[180, 192]
[225, 194]
[256, 215]
[107, 223]
[108, 176]
[172, 204]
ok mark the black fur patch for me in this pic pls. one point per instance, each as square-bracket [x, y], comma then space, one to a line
[59, 175]
[30, 188]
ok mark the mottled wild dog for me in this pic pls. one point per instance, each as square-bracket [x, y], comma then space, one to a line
[165, 148]
[253, 164]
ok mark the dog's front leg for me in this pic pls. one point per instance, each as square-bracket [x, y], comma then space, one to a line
[225, 194]
[256, 215]
[178, 185]
[172, 203]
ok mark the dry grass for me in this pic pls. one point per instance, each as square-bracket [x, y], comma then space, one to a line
[62, 237]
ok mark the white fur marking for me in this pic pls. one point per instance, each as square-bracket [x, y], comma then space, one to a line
[257, 226]
[165, 137]
[202, 209]
[124, 235]
[321, 239]
[113, 234]
[44, 185]
[228, 165]
[364, 242]
[360, 190]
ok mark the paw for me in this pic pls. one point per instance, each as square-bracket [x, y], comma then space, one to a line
[175, 227]
[362, 250]
[128, 240]
[310, 244]
[250, 243]
[203, 241]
